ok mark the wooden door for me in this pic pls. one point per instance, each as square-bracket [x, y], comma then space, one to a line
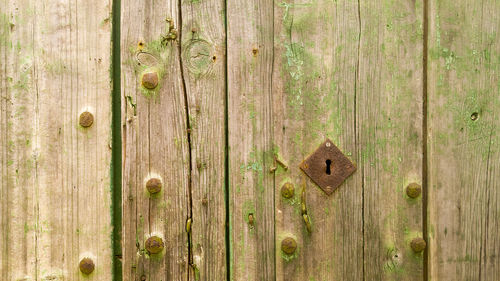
[167, 139]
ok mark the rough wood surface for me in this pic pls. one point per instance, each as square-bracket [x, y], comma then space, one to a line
[314, 98]
[155, 143]
[204, 60]
[339, 72]
[464, 140]
[351, 72]
[55, 185]
[185, 112]
[251, 185]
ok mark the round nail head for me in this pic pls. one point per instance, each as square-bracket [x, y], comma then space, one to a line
[288, 245]
[153, 185]
[418, 244]
[413, 190]
[87, 266]
[287, 190]
[86, 119]
[154, 245]
[150, 80]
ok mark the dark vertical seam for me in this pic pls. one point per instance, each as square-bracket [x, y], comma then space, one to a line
[188, 130]
[272, 138]
[356, 140]
[485, 239]
[116, 143]
[425, 160]
[226, 155]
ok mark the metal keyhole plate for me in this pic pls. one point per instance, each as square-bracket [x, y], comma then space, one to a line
[328, 167]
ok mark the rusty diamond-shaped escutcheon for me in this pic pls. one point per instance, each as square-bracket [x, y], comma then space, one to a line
[328, 167]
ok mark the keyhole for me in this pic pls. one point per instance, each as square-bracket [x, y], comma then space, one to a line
[328, 163]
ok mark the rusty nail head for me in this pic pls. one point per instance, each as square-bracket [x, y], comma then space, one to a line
[150, 80]
[418, 244]
[413, 190]
[87, 266]
[86, 119]
[153, 185]
[287, 190]
[288, 245]
[154, 245]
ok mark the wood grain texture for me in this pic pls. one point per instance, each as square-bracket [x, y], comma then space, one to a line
[389, 118]
[338, 72]
[351, 72]
[251, 185]
[55, 194]
[185, 112]
[155, 143]
[464, 166]
[203, 50]
[314, 98]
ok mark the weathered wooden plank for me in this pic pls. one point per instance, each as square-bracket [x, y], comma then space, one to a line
[314, 98]
[352, 72]
[203, 59]
[155, 142]
[389, 119]
[55, 173]
[251, 186]
[184, 112]
[463, 98]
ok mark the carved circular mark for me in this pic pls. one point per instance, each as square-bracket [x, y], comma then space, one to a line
[147, 59]
[198, 56]
[86, 266]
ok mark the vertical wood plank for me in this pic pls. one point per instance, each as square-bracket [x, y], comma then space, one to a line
[314, 98]
[184, 43]
[463, 95]
[389, 119]
[55, 173]
[251, 186]
[155, 143]
[203, 60]
[18, 191]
